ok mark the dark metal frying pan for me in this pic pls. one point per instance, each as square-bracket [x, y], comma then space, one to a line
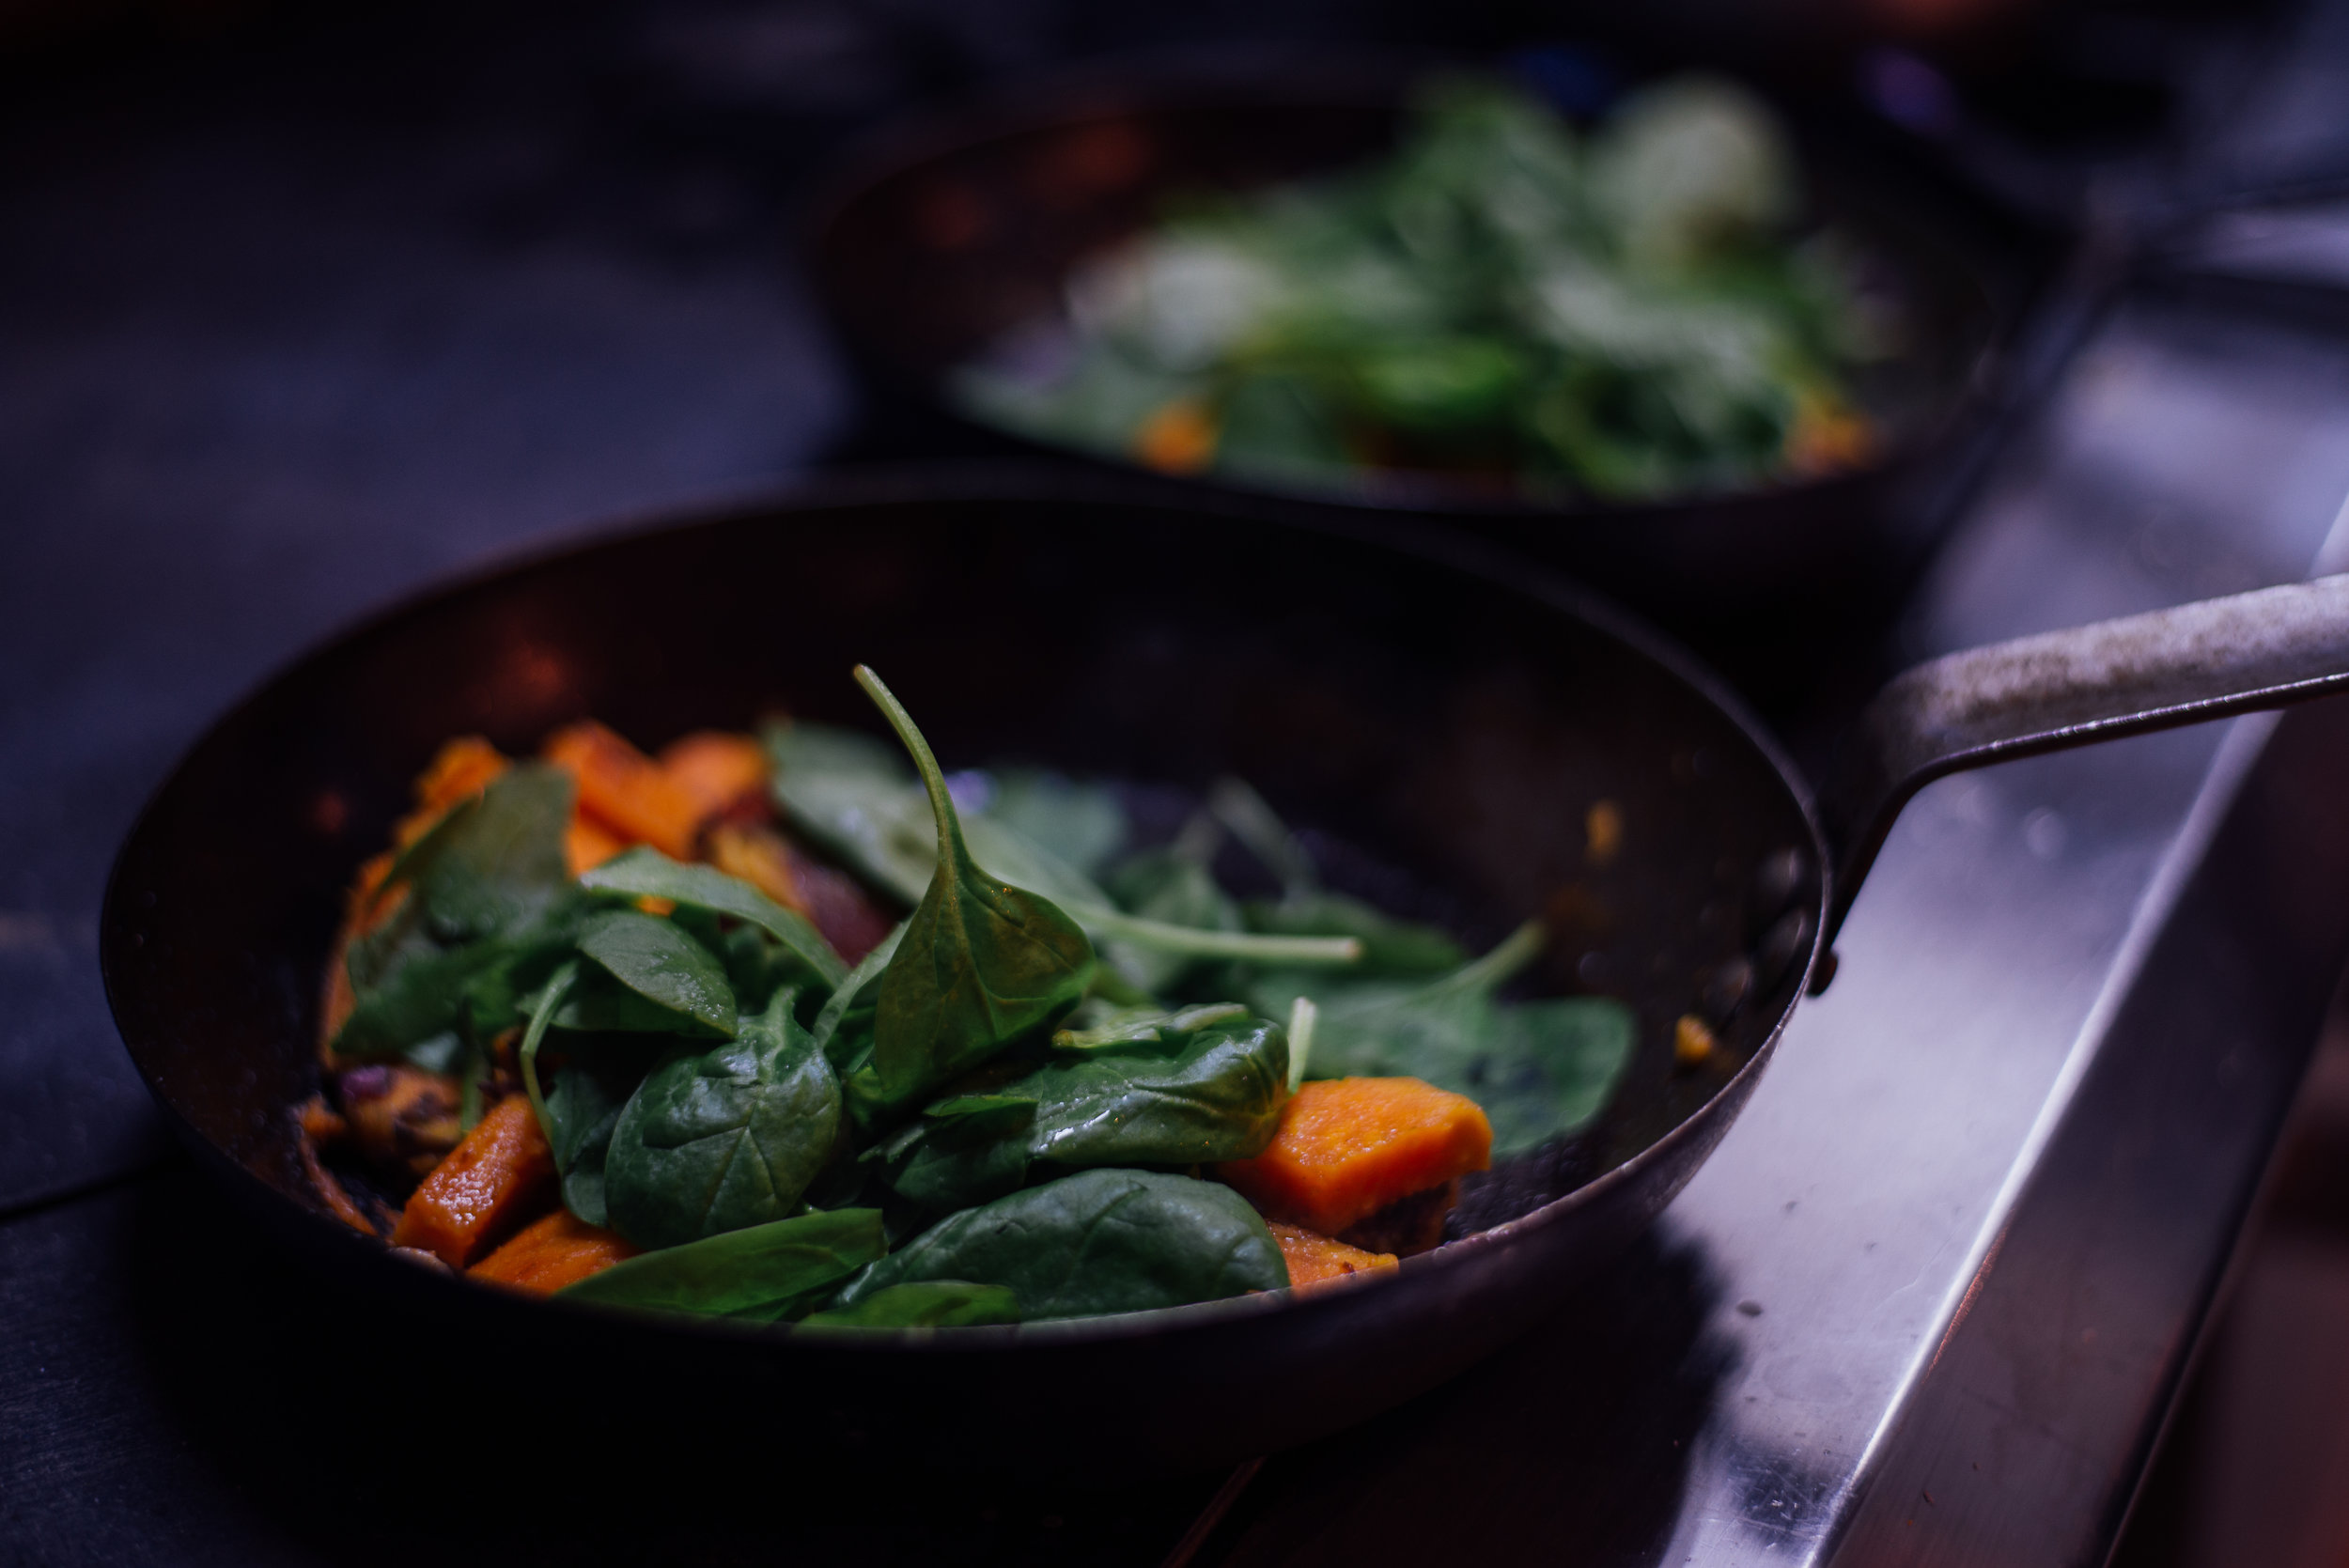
[1444, 720]
[937, 242]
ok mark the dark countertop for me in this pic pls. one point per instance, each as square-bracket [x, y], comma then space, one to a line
[283, 342]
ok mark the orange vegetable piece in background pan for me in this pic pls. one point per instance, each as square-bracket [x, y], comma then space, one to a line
[498, 1175]
[1347, 1147]
[587, 844]
[462, 767]
[1315, 1260]
[715, 769]
[624, 790]
[550, 1254]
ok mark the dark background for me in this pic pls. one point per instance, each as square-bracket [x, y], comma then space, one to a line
[300, 307]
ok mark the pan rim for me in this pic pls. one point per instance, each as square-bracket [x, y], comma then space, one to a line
[1491, 567]
[1276, 78]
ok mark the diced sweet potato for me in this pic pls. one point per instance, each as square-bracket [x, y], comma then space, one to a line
[500, 1175]
[361, 910]
[587, 844]
[624, 790]
[715, 769]
[761, 858]
[550, 1254]
[316, 1123]
[1349, 1147]
[400, 1117]
[1315, 1260]
[461, 767]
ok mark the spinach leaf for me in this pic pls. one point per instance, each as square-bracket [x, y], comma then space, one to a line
[1099, 1241]
[834, 789]
[1304, 1022]
[981, 963]
[503, 864]
[422, 998]
[658, 961]
[579, 1114]
[1083, 824]
[718, 1141]
[756, 965]
[647, 873]
[488, 913]
[1175, 887]
[849, 1047]
[443, 1053]
[1551, 1069]
[1129, 1026]
[927, 1304]
[582, 1109]
[599, 1004]
[1390, 946]
[852, 1002]
[1540, 1069]
[1234, 803]
[542, 1010]
[962, 1150]
[1390, 1027]
[854, 795]
[1305, 908]
[766, 1272]
[491, 866]
[1212, 1094]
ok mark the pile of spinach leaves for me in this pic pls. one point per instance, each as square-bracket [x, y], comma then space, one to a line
[1634, 312]
[999, 1115]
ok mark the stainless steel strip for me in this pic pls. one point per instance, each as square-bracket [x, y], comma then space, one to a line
[2002, 934]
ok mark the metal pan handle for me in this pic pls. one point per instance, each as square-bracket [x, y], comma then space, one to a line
[2062, 688]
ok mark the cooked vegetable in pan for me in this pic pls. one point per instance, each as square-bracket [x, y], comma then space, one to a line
[785, 1030]
[1635, 313]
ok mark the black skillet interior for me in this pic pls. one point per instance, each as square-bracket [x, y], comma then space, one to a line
[1453, 729]
[936, 245]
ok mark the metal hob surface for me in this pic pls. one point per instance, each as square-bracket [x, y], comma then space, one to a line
[1932, 1296]
[1930, 1302]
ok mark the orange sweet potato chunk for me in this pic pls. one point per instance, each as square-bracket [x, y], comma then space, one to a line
[498, 1175]
[715, 769]
[1347, 1147]
[587, 844]
[1315, 1260]
[550, 1254]
[624, 790]
[759, 857]
[462, 767]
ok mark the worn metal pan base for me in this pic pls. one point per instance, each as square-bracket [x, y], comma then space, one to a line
[1460, 719]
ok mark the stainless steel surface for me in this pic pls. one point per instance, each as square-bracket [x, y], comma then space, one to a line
[2056, 690]
[2056, 964]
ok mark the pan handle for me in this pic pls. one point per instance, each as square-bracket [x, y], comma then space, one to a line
[2249, 651]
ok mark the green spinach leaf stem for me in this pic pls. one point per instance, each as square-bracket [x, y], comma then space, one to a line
[558, 986]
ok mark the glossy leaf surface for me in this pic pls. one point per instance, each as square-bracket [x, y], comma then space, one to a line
[658, 961]
[1539, 1069]
[927, 1304]
[980, 962]
[1193, 1098]
[647, 873]
[765, 1272]
[718, 1141]
[1099, 1241]
[488, 912]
